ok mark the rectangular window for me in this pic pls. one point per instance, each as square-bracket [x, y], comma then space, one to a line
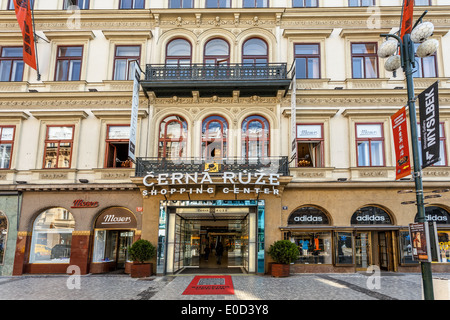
[442, 148]
[304, 3]
[426, 67]
[132, 4]
[444, 245]
[218, 3]
[178, 4]
[344, 248]
[11, 4]
[314, 247]
[361, 3]
[81, 4]
[124, 58]
[11, 64]
[117, 140]
[256, 3]
[6, 146]
[68, 63]
[310, 145]
[404, 242]
[370, 145]
[307, 61]
[422, 2]
[58, 147]
[364, 60]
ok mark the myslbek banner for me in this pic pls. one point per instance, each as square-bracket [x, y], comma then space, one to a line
[23, 15]
[400, 134]
[429, 125]
[134, 112]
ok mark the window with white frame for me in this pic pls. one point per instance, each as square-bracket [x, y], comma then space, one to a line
[6, 146]
[370, 144]
[310, 145]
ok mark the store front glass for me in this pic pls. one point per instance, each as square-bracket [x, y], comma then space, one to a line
[191, 232]
[3, 234]
[314, 245]
[113, 236]
[52, 236]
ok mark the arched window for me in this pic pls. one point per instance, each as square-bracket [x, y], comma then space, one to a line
[217, 52]
[255, 51]
[370, 215]
[178, 52]
[255, 137]
[3, 236]
[214, 137]
[52, 236]
[172, 137]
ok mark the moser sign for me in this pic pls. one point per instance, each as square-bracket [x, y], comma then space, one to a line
[115, 218]
[261, 182]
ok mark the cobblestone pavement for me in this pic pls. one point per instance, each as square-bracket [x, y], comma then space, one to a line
[389, 286]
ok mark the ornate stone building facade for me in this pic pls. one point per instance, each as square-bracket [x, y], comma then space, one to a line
[214, 135]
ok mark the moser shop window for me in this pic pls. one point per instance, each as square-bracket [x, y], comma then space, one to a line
[364, 60]
[172, 137]
[6, 146]
[124, 58]
[117, 141]
[3, 236]
[58, 147]
[310, 145]
[11, 64]
[307, 61]
[370, 144]
[68, 63]
[52, 236]
[314, 247]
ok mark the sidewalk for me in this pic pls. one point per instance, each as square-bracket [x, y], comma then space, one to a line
[389, 286]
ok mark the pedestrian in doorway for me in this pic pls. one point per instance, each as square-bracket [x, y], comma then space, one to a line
[219, 252]
[207, 251]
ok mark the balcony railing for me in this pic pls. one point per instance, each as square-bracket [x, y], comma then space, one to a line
[209, 72]
[250, 79]
[267, 165]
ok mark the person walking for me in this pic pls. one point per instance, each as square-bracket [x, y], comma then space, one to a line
[219, 252]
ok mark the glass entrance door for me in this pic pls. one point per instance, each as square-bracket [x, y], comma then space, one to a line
[362, 250]
[383, 245]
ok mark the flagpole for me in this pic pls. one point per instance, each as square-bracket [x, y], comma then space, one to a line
[35, 42]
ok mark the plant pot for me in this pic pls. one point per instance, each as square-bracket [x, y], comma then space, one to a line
[141, 270]
[280, 270]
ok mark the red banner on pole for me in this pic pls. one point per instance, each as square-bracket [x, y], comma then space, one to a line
[23, 14]
[407, 17]
[400, 133]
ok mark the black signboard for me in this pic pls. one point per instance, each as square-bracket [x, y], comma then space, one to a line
[429, 125]
[308, 215]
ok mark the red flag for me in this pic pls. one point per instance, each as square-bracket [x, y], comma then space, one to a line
[23, 14]
[400, 133]
[407, 20]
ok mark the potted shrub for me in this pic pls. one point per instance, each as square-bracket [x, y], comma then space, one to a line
[140, 253]
[283, 252]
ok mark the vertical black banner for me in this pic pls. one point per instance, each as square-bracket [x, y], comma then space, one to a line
[429, 125]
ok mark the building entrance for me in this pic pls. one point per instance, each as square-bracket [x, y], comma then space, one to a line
[205, 236]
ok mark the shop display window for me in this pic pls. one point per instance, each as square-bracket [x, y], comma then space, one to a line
[3, 234]
[444, 245]
[344, 248]
[112, 245]
[314, 247]
[52, 236]
[406, 256]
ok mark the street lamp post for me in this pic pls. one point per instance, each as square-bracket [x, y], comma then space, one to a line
[407, 62]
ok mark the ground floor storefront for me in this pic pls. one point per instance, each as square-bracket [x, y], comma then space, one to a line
[338, 228]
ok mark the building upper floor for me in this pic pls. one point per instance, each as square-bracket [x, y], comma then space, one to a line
[189, 4]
